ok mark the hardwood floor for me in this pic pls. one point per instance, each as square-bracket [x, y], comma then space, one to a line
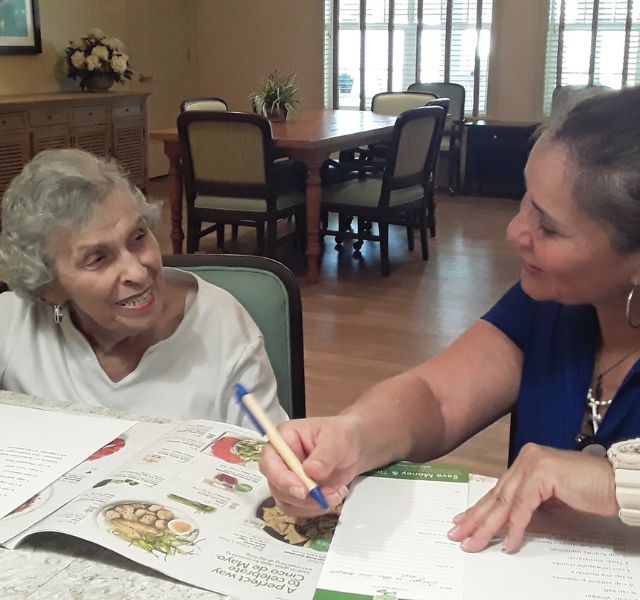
[360, 327]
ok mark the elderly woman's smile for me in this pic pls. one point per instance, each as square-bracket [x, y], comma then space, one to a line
[110, 272]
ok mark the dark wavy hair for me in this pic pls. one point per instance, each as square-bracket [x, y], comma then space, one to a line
[602, 137]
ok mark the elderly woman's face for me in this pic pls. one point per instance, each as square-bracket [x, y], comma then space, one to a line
[110, 270]
[566, 254]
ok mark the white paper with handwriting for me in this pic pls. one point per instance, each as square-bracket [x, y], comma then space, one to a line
[391, 541]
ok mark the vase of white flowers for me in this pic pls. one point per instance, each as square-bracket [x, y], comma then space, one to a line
[97, 60]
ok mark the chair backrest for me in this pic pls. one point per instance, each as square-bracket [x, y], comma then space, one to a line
[454, 91]
[414, 149]
[270, 294]
[226, 154]
[565, 97]
[443, 102]
[206, 103]
[394, 103]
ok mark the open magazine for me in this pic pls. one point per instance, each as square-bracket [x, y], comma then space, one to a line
[187, 500]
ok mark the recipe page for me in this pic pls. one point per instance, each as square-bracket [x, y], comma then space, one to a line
[391, 541]
[39, 446]
[566, 555]
[192, 504]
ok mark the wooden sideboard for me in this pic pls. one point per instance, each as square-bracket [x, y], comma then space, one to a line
[107, 124]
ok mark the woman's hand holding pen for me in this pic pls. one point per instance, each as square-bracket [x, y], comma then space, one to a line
[329, 449]
[576, 479]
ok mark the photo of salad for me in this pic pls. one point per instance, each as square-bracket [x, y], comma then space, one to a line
[236, 450]
[314, 533]
[152, 527]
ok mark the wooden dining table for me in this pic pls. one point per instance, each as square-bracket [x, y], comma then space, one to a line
[309, 136]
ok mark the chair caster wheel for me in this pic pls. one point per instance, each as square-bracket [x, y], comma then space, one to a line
[357, 245]
[357, 254]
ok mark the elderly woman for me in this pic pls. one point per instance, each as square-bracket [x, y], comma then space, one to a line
[93, 316]
[561, 348]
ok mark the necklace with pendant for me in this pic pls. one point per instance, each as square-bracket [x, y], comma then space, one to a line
[594, 395]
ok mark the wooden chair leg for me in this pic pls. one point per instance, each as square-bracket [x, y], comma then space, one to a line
[410, 226]
[424, 241]
[220, 235]
[272, 236]
[383, 229]
[260, 236]
[193, 235]
[431, 210]
[234, 232]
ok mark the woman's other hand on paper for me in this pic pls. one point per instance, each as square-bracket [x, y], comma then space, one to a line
[539, 474]
[328, 449]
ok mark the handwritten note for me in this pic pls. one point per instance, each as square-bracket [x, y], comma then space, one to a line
[391, 539]
[37, 447]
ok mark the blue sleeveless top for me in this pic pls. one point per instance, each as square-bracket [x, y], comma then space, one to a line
[559, 344]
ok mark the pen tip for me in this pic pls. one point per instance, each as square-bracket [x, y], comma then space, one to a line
[240, 390]
[318, 496]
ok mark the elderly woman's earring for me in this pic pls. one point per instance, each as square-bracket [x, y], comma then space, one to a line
[58, 313]
[630, 297]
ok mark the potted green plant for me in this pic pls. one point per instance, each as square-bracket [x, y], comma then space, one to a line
[276, 96]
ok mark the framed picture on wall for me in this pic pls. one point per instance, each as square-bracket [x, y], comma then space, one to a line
[19, 27]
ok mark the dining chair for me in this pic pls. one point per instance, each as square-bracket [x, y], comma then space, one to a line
[270, 294]
[210, 103]
[399, 190]
[391, 104]
[565, 97]
[204, 103]
[453, 128]
[230, 177]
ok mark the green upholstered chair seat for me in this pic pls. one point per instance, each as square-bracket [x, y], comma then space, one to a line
[254, 205]
[366, 192]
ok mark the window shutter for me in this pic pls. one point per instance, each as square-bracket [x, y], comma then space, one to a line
[388, 44]
[592, 42]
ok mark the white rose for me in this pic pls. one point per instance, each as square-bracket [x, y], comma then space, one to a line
[93, 62]
[119, 64]
[113, 43]
[96, 33]
[101, 52]
[77, 59]
[77, 44]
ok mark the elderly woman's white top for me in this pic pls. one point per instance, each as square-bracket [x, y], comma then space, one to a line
[189, 375]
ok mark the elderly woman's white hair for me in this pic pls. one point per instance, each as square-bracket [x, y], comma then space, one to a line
[58, 191]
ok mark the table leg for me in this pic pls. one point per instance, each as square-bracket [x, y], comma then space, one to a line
[172, 151]
[313, 194]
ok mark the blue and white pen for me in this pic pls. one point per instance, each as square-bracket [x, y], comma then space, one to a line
[265, 427]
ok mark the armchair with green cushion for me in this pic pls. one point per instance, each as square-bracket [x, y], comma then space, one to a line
[399, 190]
[231, 177]
[270, 294]
[453, 128]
